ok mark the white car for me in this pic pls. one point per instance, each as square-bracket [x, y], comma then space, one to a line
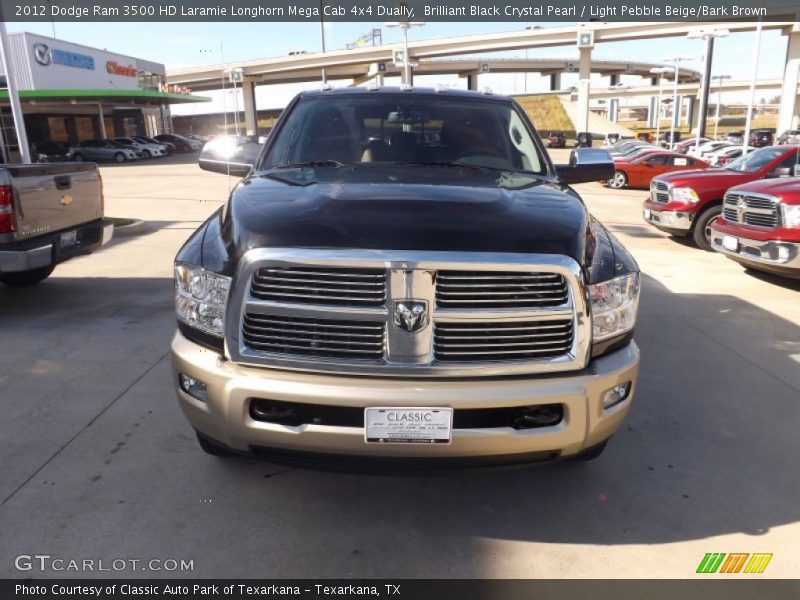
[707, 148]
[726, 154]
[142, 149]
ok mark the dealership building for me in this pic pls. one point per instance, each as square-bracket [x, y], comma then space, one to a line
[70, 93]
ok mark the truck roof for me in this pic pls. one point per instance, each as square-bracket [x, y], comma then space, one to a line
[425, 91]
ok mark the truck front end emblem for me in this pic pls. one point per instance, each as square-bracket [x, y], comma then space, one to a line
[410, 315]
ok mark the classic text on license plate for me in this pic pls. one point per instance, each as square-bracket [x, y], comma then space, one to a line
[385, 425]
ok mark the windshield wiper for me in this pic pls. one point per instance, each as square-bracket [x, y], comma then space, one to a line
[449, 163]
[312, 163]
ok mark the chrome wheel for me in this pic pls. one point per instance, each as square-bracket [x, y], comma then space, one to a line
[619, 181]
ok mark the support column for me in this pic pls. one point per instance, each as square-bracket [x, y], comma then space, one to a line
[789, 113]
[652, 111]
[472, 81]
[676, 112]
[555, 82]
[250, 110]
[613, 110]
[692, 112]
[103, 134]
[584, 84]
[614, 79]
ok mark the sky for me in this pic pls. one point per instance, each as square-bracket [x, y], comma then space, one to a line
[194, 44]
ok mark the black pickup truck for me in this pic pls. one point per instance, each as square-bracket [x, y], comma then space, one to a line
[49, 213]
[403, 279]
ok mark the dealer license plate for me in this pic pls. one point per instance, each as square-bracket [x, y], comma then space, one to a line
[647, 213]
[408, 425]
[69, 239]
[730, 242]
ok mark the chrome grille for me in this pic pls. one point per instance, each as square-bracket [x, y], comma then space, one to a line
[339, 287]
[483, 314]
[500, 289]
[515, 340]
[659, 191]
[754, 210]
[314, 337]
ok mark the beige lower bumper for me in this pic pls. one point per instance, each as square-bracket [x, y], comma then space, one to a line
[225, 416]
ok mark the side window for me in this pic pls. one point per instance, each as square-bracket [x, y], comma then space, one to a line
[659, 159]
[788, 163]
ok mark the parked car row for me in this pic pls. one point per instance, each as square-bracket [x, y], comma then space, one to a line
[120, 150]
[749, 210]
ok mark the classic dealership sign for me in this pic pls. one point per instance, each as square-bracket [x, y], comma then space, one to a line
[115, 68]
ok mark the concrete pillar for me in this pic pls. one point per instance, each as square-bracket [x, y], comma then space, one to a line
[654, 81]
[692, 112]
[250, 110]
[555, 81]
[472, 81]
[676, 112]
[584, 84]
[652, 111]
[614, 79]
[613, 110]
[789, 113]
[103, 134]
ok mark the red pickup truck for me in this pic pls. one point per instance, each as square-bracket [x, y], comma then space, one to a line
[687, 202]
[760, 226]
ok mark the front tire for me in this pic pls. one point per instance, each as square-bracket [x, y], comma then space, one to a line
[26, 278]
[213, 448]
[119, 157]
[619, 181]
[701, 233]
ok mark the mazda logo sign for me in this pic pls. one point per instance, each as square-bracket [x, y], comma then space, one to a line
[42, 54]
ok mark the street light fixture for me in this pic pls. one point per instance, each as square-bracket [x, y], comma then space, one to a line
[675, 60]
[405, 26]
[707, 35]
[719, 78]
[660, 71]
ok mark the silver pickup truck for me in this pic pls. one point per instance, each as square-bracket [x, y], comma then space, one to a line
[49, 213]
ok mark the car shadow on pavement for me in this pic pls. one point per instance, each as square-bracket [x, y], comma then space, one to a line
[785, 282]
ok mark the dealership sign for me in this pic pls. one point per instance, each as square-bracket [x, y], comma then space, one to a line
[46, 56]
[114, 68]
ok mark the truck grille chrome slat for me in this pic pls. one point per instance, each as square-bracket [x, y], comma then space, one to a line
[508, 289]
[351, 311]
[352, 287]
[754, 210]
[313, 337]
[659, 191]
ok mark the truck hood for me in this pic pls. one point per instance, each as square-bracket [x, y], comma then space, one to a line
[785, 188]
[402, 208]
[702, 180]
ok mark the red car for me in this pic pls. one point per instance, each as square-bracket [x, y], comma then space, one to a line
[760, 226]
[557, 139]
[641, 170]
[687, 202]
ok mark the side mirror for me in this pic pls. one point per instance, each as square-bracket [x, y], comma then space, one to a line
[226, 156]
[586, 164]
[781, 172]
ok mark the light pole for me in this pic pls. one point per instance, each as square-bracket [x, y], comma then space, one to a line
[660, 71]
[676, 60]
[13, 95]
[322, 38]
[708, 52]
[719, 78]
[749, 122]
[405, 26]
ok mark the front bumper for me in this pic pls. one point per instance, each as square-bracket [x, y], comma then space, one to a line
[668, 220]
[46, 250]
[776, 256]
[225, 417]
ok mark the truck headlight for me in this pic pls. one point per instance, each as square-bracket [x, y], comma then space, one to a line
[684, 194]
[614, 304]
[201, 297]
[791, 215]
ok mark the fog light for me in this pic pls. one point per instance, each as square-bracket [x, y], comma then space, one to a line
[616, 394]
[194, 387]
[783, 253]
[545, 415]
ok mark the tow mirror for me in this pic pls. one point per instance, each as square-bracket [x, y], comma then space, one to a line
[586, 164]
[229, 155]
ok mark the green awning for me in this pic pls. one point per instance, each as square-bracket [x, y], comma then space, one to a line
[133, 96]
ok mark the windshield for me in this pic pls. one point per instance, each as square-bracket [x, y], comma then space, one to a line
[405, 129]
[756, 160]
